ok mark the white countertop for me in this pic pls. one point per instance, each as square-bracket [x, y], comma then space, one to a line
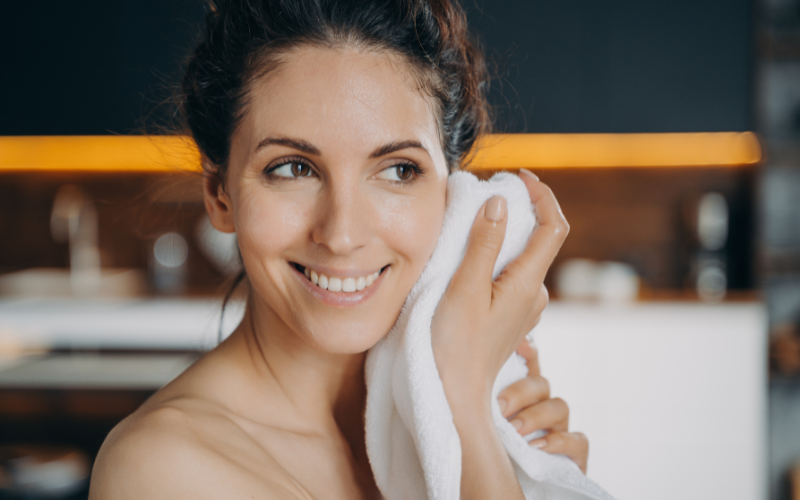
[672, 395]
[183, 324]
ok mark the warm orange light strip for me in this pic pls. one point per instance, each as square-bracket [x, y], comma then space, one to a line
[713, 149]
[163, 154]
[132, 153]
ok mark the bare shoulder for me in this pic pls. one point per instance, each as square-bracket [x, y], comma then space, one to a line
[169, 451]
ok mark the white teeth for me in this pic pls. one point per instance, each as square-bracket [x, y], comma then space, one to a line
[335, 284]
[349, 285]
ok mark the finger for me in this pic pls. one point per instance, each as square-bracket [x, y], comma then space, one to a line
[485, 241]
[572, 444]
[551, 414]
[525, 273]
[536, 310]
[523, 394]
[528, 351]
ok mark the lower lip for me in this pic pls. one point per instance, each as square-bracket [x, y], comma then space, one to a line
[340, 299]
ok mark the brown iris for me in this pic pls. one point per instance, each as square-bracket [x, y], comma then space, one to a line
[404, 172]
[300, 170]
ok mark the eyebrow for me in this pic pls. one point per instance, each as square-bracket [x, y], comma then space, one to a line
[309, 148]
[298, 144]
[396, 146]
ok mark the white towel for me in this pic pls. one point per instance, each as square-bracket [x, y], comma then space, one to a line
[412, 443]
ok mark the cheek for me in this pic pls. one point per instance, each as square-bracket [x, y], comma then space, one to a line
[266, 225]
[412, 228]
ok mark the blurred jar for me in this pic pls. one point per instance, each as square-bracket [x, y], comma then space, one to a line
[605, 281]
[168, 263]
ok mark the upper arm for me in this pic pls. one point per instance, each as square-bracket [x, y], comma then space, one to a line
[161, 456]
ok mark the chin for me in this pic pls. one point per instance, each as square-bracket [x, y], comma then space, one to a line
[350, 338]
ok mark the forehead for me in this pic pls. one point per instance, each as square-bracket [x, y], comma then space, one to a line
[339, 98]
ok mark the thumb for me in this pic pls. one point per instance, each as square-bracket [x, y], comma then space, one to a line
[485, 241]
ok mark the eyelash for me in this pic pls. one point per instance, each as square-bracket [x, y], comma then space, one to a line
[418, 172]
[283, 161]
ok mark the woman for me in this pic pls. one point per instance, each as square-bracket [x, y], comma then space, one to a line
[327, 130]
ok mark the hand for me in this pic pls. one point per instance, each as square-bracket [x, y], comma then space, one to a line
[478, 324]
[527, 404]
[479, 321]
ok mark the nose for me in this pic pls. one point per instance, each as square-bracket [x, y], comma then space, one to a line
[342, 224]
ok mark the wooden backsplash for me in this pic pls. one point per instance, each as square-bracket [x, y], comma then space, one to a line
[628, 215]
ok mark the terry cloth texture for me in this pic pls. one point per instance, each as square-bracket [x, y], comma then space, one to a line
[412, 443]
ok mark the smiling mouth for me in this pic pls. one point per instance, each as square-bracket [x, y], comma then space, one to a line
[338, 284]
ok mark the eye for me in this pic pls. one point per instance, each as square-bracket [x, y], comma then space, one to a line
[402, 172]
[290, 169]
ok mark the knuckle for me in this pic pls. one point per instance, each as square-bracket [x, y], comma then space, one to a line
[523, 290]
[545, 385]
[561, 406]
[535, 386]
[488, 239]
[561, 228]
[511, 394]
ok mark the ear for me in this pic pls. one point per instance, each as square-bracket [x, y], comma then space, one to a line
[218, 204]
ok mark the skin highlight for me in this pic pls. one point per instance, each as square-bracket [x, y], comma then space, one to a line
[314, 180]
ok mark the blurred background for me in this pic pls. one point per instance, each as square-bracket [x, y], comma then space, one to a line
[673, 333]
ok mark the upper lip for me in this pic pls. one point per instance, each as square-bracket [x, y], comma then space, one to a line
[340, 273]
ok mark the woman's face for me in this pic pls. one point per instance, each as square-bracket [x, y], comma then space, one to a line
[337, 168]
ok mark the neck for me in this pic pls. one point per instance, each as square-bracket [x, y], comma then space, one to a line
[296, 387]
[319, 389]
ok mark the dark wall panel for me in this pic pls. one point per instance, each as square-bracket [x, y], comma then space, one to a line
[90, 67]
[98, 67]
[618, 65]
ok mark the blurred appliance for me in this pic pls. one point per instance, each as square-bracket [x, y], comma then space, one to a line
[74, 221]
[708, 223]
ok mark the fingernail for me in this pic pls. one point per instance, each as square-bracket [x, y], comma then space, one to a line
[503, 404]
[495, 208]
[538, 443]
[517, 423]
[528, 173]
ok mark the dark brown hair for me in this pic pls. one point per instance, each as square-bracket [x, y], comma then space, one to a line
[243, 39]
